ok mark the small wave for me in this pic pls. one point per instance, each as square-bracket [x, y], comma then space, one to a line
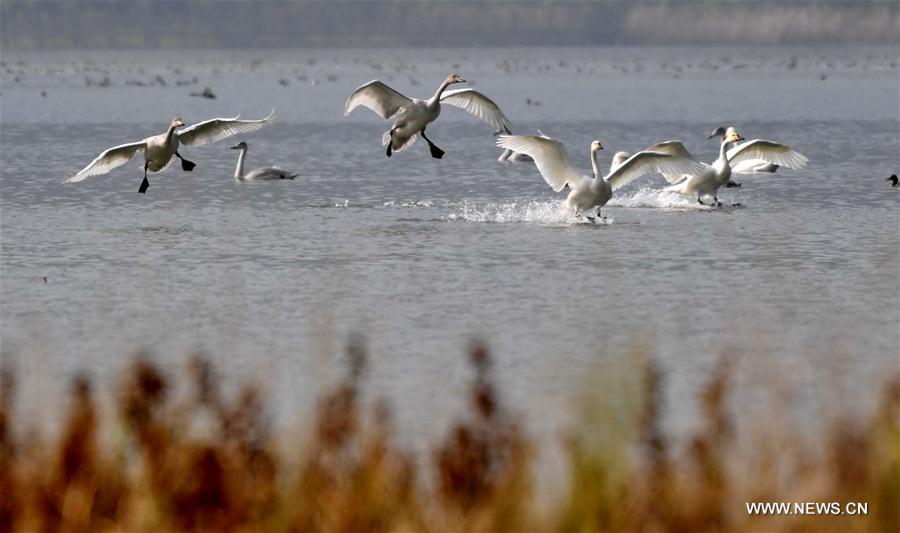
[549, 212]
[409, 203]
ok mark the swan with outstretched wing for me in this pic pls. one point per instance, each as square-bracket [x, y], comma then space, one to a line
[411, 115]
[585, 193]
[159, 149]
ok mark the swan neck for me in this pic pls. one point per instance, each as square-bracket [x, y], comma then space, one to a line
[239, 170]
[170, 133]
[723, 150]
[440, 91]
[594, 165]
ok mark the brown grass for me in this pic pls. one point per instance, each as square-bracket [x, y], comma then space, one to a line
[161, 473]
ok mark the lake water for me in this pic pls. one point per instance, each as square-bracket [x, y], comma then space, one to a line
[420, 255]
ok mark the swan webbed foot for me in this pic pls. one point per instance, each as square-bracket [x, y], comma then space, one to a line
[738, 204]
[186, 165]
[731, 184]
[436, 152]
[144, 185]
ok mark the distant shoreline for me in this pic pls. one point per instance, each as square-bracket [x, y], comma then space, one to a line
[89, 24]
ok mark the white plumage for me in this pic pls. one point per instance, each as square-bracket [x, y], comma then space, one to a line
[553, 163]
[159, 149]
[264, 173]
[411, 115]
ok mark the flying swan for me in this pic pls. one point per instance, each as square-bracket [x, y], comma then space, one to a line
[159, 149]
[717, 174]
[412, 115]
[551, 160]
[265, 173]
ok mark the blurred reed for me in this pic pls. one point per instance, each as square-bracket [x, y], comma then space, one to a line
[347, 473]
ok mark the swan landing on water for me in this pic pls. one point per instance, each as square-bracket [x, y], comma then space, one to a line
[718, 173]
[159, 149]
[265, 173]
[553, 163]
[412, 115]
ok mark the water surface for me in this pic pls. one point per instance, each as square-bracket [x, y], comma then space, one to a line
[420, 255]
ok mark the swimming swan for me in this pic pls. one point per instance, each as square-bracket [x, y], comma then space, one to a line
[159, 149]
[717, 174]
[553, 163]
[265, 173]
[412, 115]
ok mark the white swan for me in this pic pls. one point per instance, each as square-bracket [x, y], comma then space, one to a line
[265, 173]
[553, 163]
[717, 174]
[412, 115]
[159, 149]
[747, 166]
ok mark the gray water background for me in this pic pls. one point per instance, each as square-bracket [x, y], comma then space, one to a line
[421, 256]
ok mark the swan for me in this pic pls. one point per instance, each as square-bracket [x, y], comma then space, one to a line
[412, 115]
[717, 174]
[159, 149]
[895, 181]
[553, 163]
[747, 166]
[265, 173]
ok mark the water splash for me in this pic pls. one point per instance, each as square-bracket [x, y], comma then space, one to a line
[660, 198]
[409, 203]
[550, 212]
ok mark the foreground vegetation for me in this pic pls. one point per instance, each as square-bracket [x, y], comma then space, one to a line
[208, 462]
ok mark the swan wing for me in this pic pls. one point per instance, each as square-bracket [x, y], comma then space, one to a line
[753, 166]
[778, 154]
[378, 97]
[479, 105]
[108, 160]
[549, 156]
[647, 162]
[216, 129]
[675, 148]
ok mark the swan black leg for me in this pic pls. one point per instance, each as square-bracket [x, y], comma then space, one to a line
[731, 184]
[699, 201]
[146, 183]
[186, 165]
[436, 152]
[390, 142]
